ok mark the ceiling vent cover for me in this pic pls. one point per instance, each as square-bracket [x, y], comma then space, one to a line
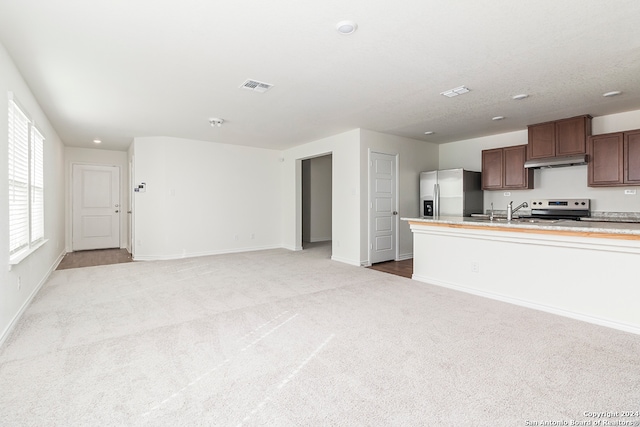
[455, 92]
[256, 86]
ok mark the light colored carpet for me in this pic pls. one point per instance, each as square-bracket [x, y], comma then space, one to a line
[279, 338]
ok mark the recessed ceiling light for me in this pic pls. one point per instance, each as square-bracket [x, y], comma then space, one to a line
[346, 27]
[496, 118]
[97, 141]
[455, 91]
[429, 132]
[612, 93]
[521, 96]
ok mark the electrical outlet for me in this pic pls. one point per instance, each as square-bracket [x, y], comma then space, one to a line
[19, 282]
[236, 237]
[253, 236]
[506, 193]
[630, 192]
[475, 267]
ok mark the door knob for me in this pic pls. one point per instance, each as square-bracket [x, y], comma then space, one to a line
[117, 211]
[395, 212]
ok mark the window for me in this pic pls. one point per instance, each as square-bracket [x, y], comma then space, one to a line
[26, 184]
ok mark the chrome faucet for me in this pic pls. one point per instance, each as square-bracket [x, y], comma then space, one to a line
[491, 214]
[511, 210]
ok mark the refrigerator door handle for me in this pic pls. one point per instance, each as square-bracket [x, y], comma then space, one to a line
[436, 200]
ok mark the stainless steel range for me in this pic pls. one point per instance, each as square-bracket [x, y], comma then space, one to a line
[572, 209]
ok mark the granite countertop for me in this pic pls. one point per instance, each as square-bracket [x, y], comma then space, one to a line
[614, 217]
[561, 225]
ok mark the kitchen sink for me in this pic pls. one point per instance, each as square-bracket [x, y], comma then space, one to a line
[483, 219]
[516, 220]
[536, 220]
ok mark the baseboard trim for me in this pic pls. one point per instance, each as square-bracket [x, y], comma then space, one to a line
[7, 331]
[600, 321]
[206, 253]
[404, 257]
[345, 261]
[319, 239]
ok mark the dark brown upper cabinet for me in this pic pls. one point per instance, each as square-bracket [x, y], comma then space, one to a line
[632, 157]
[559, 138]
[492, 169]
[503, 169]
[614, 159]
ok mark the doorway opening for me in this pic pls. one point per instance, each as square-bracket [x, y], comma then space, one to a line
[317, 201]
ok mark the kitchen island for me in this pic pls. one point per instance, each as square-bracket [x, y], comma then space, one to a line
[579, 269]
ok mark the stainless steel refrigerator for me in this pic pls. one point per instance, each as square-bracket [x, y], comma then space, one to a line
[450, 192]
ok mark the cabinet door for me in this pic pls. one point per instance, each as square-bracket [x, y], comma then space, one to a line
[541, 141]
[632, 157]
[515, 174]
[571, 135]
[605, 160]
[492, 169]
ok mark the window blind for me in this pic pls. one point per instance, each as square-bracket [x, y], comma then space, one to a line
[18, 179]
[26, 182]
[37, 185]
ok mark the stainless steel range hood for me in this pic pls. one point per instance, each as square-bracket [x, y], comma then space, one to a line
[557, 162]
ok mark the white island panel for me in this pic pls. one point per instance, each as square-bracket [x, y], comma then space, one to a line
[593, 279]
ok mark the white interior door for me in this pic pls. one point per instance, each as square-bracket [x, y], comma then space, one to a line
[96, 207]
[383, 213]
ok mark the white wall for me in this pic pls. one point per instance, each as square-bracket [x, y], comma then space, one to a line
[413, 157]
[204, 198]
[73, 155]
[20, 284]
[316, 197]
[345, 219]
[549, 183]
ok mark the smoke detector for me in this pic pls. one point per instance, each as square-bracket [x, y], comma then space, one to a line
[214, 122]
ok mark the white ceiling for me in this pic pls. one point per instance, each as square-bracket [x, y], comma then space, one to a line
[120, 69]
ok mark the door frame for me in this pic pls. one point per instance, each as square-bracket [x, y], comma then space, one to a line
[131, 210]
[72, 198]
[370, 204]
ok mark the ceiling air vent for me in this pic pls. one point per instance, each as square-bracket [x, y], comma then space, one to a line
[455, 91]
[256, 86]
